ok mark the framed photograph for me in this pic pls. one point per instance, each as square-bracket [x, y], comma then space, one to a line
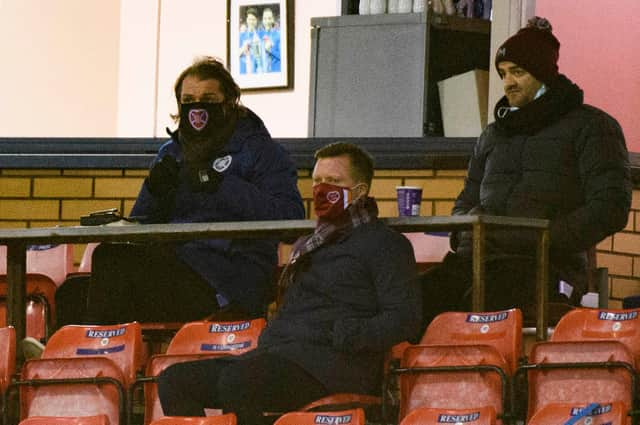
[260, 43]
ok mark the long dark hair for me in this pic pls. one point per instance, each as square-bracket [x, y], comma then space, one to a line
[210, 68]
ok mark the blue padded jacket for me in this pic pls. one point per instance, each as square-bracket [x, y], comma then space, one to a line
[259, 183]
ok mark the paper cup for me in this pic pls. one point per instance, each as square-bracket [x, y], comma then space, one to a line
[409, 198]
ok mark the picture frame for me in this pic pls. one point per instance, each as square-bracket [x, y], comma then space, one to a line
[260, 43]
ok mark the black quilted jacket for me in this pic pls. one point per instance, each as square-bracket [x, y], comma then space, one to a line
[558, 159]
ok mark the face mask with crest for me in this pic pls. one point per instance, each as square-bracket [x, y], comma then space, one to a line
[330, 201]
[201, 127]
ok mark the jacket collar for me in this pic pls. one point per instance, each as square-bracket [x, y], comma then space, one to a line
[561, 97]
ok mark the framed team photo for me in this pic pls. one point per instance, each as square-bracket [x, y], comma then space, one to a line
[260, 43]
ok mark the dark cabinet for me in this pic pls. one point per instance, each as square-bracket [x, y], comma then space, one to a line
[376, 75]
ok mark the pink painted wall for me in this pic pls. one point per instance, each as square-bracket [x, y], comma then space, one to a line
[600, 51]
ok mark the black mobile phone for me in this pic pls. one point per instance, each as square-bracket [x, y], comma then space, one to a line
[97, 218]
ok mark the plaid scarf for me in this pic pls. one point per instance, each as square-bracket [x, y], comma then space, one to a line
[361, 211]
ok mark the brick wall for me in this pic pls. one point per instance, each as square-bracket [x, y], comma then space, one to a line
[620, 253]
[32, 198]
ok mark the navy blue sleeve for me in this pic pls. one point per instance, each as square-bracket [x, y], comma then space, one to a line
[148, 208]
[271, 193]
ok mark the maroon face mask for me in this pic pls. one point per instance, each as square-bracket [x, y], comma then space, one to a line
[330, 201]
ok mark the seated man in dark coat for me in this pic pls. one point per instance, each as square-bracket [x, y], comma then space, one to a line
[547, 156]
[220, 164]
[350, 296]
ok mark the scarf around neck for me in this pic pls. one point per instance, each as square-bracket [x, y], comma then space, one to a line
[561, 97]
[361, 211]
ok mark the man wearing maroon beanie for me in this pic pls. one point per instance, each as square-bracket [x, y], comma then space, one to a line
[547, 155]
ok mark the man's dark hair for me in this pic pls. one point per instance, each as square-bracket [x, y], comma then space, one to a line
[361, 160]
[252, 11]
[210, 68]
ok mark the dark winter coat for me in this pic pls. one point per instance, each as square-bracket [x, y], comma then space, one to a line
[557, 159]
[356, 298]
[259, 183]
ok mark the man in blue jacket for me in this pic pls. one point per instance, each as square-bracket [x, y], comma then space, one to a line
[220, 165]
[350, 296]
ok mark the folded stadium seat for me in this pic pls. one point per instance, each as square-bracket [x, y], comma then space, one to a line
[348, 417]
[7, 359]
[69, 379]
[452, 377]
[7, 356]
[611, 413]
[66, 420]
[579, 373]
[438, 416]
[40, 305]
[226, 419]
[589, 324]
[54, 261]
[47, 267]
[197, 340]
[499, 329]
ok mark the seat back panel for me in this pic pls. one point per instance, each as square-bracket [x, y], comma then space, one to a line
[68, 398]
[583, 324]
[66, 420]
[223, 337]
[7, 356]
[578, 386]
[121, 343]
[500, 329]
[460, 389]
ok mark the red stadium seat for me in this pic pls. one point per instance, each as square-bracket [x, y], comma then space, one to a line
[611, 413]
[590, 324]
[73, 387]
[579, 372]
[452, 377]
[227, 419]
[55, 262]
[7, 356]
[206, 336]
[66, 420]
[83, 371]
[499, 329]
[7, 360]
[347, 417]
[120, 343]
[198, 340]
[47, 268]
[40, 308]
[438, 416]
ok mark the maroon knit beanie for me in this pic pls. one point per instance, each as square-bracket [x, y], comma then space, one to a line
[534, 48]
